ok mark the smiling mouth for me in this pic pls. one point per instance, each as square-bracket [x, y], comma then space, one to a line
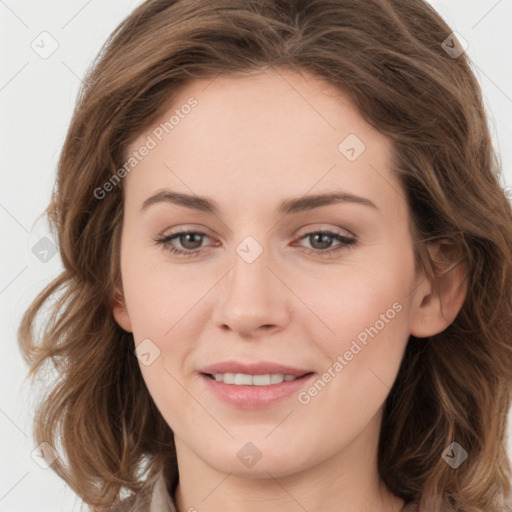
[243, 379]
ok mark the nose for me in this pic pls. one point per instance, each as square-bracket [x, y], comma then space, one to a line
[252, 300]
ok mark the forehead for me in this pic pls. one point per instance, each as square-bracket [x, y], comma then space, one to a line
[259, 135]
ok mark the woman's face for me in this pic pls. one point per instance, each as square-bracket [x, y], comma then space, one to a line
[270, 276]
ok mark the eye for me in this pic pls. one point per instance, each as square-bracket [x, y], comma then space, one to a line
[191, 242]
[323, 241]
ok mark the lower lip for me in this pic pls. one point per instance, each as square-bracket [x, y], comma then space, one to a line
[255, 397]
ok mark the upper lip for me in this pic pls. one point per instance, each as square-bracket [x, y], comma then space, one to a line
[260, 368]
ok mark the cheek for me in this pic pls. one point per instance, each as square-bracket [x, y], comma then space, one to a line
[364, 315]
[166, 306]
[370, 318]
[158, 293]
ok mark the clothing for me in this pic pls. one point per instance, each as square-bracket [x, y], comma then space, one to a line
[160, 501]
[157, 500]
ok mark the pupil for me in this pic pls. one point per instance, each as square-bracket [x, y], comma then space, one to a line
[191, 235]
[326, 242]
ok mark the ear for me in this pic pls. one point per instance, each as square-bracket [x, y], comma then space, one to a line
[118, 306]
[436, 304]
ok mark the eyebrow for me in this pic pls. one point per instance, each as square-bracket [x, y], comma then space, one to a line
[287, 207]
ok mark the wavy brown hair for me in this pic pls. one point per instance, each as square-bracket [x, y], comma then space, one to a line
[387, 56]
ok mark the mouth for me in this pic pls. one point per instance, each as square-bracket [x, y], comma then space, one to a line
[254, 386]
[245, 379]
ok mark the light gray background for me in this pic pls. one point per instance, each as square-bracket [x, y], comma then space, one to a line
[36, 101]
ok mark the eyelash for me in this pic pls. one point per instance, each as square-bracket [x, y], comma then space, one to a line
[345, 243]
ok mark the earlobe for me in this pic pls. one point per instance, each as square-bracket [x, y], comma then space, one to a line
[438, 303]
[119, 310]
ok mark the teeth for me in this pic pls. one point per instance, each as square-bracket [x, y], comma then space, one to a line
[242, 379]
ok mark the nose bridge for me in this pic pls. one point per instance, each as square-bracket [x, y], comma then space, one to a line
[250, 295]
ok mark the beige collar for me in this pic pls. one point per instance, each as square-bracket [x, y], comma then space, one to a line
[160, 499]
[162, 502]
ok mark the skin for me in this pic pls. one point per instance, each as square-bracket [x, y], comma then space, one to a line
[250, 143]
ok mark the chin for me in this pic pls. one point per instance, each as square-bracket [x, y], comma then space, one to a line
[256, 459]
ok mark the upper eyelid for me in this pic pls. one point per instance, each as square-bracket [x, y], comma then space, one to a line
[336, 230]
[315, 228]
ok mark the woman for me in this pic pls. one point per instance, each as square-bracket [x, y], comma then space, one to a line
[287, 266]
